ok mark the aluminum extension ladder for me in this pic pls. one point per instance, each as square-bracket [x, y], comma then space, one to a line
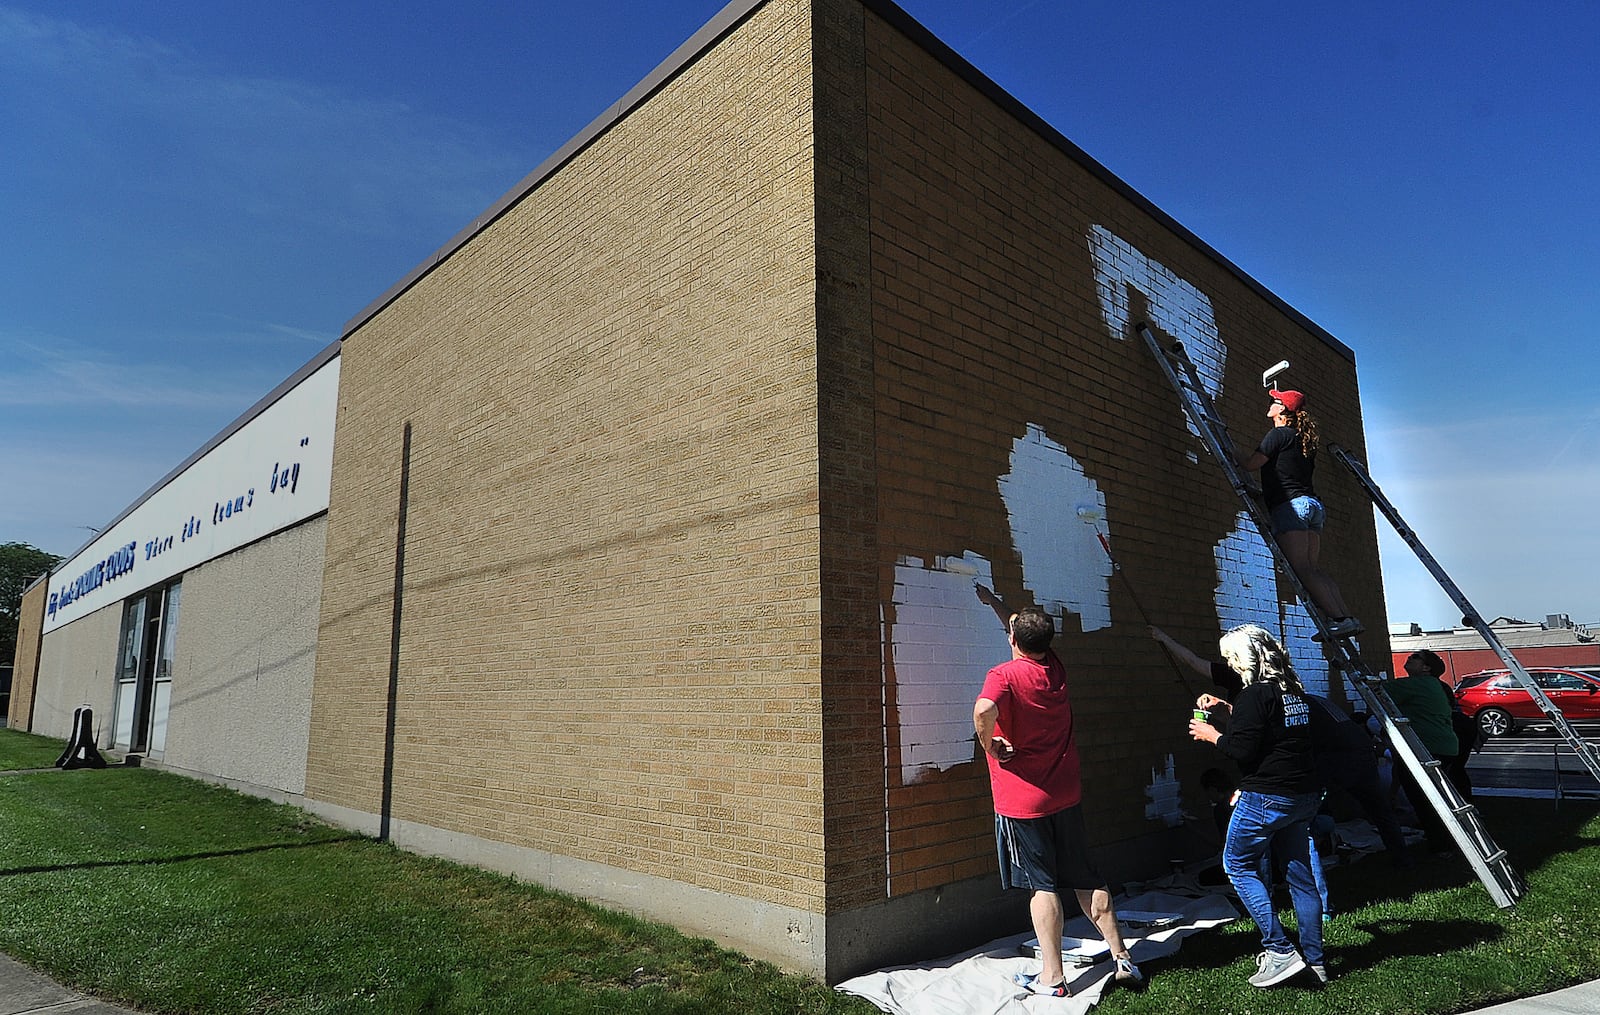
[1504, 884]
[1582, 748]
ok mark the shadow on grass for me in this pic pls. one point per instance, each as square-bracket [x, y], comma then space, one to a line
[1394, 937]
[1530, 831]
[145, 861]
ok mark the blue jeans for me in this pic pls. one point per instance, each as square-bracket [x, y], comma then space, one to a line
[1263, 826]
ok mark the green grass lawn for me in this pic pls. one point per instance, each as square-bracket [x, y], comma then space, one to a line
[24, 750]
[175, 896]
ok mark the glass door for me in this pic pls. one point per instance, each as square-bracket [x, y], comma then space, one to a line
[144, 670]
[130, 649]
[161, 696]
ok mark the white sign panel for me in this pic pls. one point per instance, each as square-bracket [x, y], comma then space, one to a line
[269, 474]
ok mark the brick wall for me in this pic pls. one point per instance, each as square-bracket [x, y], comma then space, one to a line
[30, 629]
[609, 644]
[1005, 274]
[852, 652]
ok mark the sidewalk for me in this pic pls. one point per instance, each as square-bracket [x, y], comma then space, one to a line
[25, 992]
[1580, 1000]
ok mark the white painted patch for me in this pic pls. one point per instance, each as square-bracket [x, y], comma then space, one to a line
[944, 640]
[1174, 306]
[1063, 563]
[1165, 795]
[1247, 593]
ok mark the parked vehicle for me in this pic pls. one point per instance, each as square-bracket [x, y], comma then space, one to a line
[1499, 704]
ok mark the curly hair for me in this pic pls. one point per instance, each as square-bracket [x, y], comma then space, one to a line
[1306, 426]
[1258, 657]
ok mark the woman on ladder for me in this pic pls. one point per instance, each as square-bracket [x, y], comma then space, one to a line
[1286, 457]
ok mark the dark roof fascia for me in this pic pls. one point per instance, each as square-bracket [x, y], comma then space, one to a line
[914, 30]
[725, 21]
[312, 365]
[729, 18]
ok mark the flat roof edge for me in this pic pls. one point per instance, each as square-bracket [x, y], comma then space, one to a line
[725, 21]
[917, 33]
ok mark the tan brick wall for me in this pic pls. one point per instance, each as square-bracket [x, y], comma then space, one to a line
[610, 640]
[852, 652]
[25, 667]
[987, 320]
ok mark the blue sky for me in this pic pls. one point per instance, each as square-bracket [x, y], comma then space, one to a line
[194, 198]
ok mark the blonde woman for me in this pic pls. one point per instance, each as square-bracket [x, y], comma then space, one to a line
[1269, 737]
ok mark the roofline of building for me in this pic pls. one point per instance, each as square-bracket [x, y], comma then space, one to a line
[725, 21]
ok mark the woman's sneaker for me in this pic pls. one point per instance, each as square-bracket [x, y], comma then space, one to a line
[1320, 972]
[1031, 982]
[1272, 968]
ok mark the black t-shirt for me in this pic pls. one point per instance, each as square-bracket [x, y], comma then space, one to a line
[1287, 473]
[1269, 737]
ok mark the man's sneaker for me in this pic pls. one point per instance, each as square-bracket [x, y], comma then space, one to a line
[1127, 972]
[1320, 972]
[1345, 627]
[1031, 982]
[1272, 968]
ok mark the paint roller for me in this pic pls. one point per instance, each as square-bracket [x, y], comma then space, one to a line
[1271, 373]
[1092, 515]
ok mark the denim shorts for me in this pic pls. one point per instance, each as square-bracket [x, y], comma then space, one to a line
[1302, 514]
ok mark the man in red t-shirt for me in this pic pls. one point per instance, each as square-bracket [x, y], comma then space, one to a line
[1024, 724]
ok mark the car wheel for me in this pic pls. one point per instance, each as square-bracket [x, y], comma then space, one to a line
[1495, 722]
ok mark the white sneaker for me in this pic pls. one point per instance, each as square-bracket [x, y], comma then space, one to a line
[1272, 968]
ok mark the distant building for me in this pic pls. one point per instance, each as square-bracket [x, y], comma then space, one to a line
[1555, 642]
[631, 543]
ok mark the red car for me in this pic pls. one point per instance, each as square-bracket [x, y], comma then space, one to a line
[1499, 704]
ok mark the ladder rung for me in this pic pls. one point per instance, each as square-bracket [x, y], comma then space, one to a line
[1495, 858]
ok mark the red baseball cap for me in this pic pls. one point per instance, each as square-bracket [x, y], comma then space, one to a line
[1292, 400]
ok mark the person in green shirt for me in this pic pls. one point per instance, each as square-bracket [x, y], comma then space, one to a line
[1422, 697]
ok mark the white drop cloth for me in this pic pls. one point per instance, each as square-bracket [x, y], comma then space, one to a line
[979, 982]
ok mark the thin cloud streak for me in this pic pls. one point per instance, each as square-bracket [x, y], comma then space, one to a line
[64, 373]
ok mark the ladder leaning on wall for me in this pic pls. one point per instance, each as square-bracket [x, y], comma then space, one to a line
[1469, 616]
[1504, 884]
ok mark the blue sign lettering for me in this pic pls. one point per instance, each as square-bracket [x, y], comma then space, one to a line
[113, 567]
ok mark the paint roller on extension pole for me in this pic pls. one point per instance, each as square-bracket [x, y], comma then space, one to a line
[1092, 516]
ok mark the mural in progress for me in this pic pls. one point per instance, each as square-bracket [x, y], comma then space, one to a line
[945, 634]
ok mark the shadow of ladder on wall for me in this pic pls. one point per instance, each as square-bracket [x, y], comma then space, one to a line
[1504, 884]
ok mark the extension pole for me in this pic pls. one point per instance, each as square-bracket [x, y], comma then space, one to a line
[1177, 667]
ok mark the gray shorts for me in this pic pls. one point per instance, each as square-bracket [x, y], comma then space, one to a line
[1045, 854]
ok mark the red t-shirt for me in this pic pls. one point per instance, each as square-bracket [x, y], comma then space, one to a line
[1036, 717]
